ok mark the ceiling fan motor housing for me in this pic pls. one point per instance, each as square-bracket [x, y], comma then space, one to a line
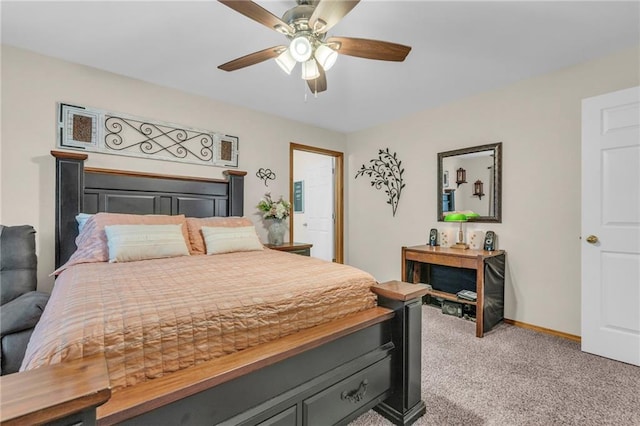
[298, 17]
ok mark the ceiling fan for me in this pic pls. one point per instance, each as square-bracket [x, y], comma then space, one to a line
[306, 26]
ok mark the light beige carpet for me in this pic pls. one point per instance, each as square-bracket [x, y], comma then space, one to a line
[514, 376]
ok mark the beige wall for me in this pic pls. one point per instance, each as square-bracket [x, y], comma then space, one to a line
[538, 121]
[31, 86]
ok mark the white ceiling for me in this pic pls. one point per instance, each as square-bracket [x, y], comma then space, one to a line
[458, 49]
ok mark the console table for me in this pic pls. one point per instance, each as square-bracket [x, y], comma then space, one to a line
[489, 267]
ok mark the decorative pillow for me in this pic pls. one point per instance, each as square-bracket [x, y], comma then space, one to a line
[226, 240]
[128, 243]
[194, 225]
[92, 242]
[82, 218]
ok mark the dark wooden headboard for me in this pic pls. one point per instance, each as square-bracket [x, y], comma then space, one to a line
[92, 190]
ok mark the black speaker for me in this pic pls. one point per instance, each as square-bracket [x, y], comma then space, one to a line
[490, 241]
[452, 308]
[433, 237]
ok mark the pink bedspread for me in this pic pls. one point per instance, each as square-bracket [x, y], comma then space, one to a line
[153, 317]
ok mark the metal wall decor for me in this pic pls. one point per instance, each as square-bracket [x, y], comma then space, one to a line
[386, 171]
[107, 132]
[461, 176]
[477, 189]
[265, 175]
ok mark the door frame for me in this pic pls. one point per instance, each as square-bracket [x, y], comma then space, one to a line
[338, 193]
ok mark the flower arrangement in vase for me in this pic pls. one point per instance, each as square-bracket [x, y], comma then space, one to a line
[277, 211]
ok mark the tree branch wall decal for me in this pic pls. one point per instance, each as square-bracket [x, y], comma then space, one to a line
[385, 171]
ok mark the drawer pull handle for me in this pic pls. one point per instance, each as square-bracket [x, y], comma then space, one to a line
[356, 395]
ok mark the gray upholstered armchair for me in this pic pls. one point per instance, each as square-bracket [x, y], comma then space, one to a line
[20, 305]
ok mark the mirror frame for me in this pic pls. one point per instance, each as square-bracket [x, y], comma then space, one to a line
[497, 199]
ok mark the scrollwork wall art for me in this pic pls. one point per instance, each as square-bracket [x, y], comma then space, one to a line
[385, 171]
[96, 130]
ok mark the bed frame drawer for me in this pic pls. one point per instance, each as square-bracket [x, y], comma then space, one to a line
[286, 418]
[366, 387]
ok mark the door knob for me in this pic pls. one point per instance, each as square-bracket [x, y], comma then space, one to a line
[592, 239]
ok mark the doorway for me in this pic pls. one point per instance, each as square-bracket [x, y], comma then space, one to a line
[316, 192]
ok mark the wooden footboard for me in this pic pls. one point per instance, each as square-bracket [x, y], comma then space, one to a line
[328, 374]
[142, 399]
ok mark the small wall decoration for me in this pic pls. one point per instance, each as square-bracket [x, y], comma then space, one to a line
[298, 196]
[386, 171]
[477, 189]
[80, 127]
[265, 175]
[461, 176]
[107, 132]
[227, 150]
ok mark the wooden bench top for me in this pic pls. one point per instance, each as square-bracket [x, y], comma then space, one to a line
[52, 392]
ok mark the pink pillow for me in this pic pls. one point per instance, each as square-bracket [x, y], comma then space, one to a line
[195, 224]
[92, 241]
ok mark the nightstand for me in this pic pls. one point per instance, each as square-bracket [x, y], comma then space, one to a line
[298, 248]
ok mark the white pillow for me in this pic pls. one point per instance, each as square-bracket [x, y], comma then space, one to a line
[128, 243]
[226, 240]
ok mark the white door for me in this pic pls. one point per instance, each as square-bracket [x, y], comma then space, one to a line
[611, 225]
[315, 224]
[320, 218]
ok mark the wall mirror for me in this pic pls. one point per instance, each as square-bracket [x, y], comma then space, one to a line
[471, 179]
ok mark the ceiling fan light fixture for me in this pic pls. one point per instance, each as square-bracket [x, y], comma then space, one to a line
[285, 61]
[300, 48]
[326, 56]
[310, 70]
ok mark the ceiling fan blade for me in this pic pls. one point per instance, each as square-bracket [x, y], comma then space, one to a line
[252, 58]
[370, 49]
[259, 14]
[329, 12]
[319, 84]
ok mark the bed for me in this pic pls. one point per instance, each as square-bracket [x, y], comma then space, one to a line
[325, 364]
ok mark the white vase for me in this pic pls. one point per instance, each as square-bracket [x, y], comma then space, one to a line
[277, 228]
